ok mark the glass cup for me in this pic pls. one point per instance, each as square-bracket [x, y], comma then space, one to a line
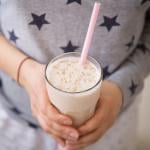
[80, 106]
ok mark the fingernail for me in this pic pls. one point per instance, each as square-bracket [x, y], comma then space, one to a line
[67, 122]
[73, 135]
[71, 141]
[61, 146]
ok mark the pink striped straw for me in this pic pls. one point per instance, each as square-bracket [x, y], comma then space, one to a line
[89, 35]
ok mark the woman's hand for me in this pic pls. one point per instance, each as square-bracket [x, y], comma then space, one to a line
[106, 113]
[53, 122]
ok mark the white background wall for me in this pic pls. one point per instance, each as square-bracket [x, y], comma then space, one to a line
[144, 118]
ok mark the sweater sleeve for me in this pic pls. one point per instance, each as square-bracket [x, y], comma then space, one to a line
[131, 74]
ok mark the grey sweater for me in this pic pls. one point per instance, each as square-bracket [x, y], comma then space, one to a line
[47, 28]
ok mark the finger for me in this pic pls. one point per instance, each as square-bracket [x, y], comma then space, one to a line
[75, 147]
[52, 113]
[102, 114]
[59, 140]
[56, 116]
[59, 147]
[51, 127]
[93, 123]
[87, 140]
[47, 128]
[66, 132]
[43, 124]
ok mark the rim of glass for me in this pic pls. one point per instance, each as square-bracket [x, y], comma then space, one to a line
[76, 54]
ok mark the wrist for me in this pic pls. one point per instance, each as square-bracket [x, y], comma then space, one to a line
[26, 71]
[113, 92]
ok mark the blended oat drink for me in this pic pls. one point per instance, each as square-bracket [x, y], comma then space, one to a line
[74, 89]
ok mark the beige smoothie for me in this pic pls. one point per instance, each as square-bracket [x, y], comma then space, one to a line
[72, 88]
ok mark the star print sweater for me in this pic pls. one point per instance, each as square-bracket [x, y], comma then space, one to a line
[45, 29]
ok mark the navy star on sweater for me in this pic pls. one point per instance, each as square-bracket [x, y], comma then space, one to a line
[71, 1]
[144, 1]
[39, 21]
[109, 22]
[106, 72]
[133, 87]
[16, 110]
[142, 48]
[131, 43]
[12, 36]
[70, 47]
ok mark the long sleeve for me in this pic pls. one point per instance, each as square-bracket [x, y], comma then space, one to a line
[131, 74]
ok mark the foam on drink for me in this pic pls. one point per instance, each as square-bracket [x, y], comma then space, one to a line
[68, 75]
